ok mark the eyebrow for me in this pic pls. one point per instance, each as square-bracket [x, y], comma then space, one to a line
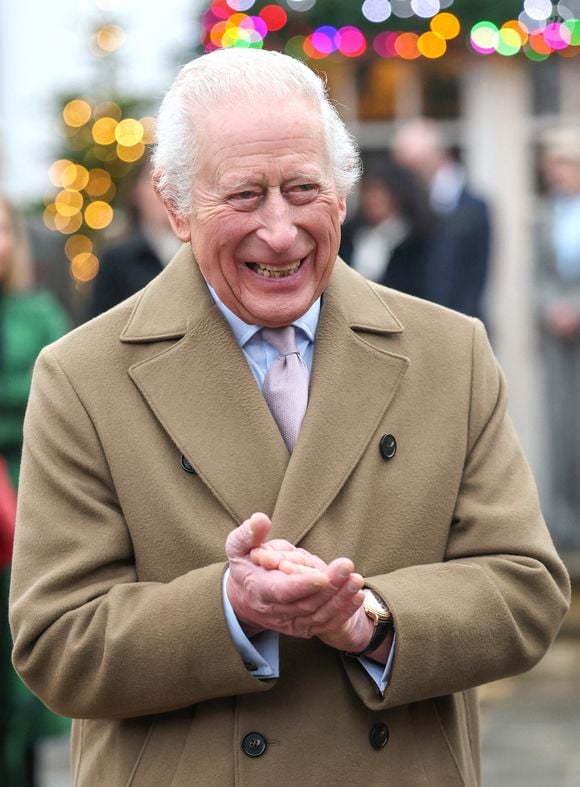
[239, 184]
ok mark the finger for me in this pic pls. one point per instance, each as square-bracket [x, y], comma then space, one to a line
[290, 567]
[307, 605]
[339, 571]
[339, 607]
[285, 559]
[266, 558]
[247, 536]
[283, 591]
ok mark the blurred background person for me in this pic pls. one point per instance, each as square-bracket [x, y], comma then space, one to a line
[28, 320]
[459, 247]
[129, 266]
[51, 269]
[387, 239]
[557, 296]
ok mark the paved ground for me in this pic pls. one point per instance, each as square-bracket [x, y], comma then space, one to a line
[530, 724]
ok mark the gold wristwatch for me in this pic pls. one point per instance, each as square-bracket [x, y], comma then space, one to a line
[376, 609]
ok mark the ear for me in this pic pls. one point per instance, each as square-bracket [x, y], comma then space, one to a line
[179, 223]
[342, 208]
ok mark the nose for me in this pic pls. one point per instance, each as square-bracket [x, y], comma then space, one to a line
[277, 228]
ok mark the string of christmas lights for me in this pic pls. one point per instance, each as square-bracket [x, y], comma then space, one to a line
[540, 30]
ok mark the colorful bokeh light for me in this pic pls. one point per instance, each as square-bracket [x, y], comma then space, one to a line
[557, 35]
[406, 46]
[274, 17]
[240, 5]
[84, 266]
[573, 27]
[98, 215]
[446, 25]
[76, 113]
[425, 8]
[350, 41]
[384, 44]
[324, 39]
[509, 42]
[484, 37]
[77, 244]
[376, 10]
[431, 45]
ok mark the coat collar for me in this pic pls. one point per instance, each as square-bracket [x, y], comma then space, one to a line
[178, 298]
[204, 395]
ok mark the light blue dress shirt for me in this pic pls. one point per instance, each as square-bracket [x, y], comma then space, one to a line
[261, 653]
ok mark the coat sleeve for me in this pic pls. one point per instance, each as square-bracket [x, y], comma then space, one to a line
[89, 639]
[492, 608]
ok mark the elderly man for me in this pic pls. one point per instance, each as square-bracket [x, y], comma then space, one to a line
[400, 559]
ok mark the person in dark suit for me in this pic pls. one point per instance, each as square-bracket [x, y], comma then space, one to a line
[459, 247]
[128, 267]
[388, 238]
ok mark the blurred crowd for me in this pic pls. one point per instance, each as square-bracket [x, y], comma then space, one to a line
[417, 226]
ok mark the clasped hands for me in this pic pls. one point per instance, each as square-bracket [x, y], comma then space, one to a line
[277, 586]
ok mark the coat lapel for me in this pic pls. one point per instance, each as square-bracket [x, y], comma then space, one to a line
[354, 379]
[203, 392]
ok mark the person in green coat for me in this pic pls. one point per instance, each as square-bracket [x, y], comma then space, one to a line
[28, 321]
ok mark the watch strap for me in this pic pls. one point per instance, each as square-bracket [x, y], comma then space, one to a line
[380, 634]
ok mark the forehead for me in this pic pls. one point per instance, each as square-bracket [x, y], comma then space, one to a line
[241, 138]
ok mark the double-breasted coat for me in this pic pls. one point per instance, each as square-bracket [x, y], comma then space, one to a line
[117, 591]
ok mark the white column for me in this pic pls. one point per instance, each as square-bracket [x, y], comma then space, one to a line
[496, 113]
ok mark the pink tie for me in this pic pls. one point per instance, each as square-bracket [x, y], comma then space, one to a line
[286, 384]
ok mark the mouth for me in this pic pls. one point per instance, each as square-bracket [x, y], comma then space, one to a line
[276, 271]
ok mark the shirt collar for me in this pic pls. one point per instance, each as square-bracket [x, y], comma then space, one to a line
[243, 331]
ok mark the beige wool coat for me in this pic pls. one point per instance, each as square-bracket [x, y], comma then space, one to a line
[116, 599]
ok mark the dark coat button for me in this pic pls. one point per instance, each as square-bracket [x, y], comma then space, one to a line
[388, 446]
[186, 465]
[254, 744]
[379, 735]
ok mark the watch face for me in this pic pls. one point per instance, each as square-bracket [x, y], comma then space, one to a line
[374, 605]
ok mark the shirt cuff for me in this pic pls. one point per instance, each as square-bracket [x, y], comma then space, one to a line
[261, 654]
[380, 674]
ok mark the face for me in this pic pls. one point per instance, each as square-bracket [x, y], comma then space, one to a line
[6, 240]
[376, 202]
[562, 174]
[265, 227]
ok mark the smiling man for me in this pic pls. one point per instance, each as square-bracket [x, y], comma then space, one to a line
[275, 525]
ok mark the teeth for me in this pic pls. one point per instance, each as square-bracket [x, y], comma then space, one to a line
[275, 272]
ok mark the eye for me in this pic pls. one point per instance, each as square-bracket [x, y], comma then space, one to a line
[303, 192]
[245, 200]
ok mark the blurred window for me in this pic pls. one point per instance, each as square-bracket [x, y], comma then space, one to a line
[392, 89]
[546, 78]
[440, 81]
[377, 89]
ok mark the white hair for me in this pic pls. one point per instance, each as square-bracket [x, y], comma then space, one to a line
[231, 73]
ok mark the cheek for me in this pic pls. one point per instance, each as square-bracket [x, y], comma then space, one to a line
[325, 223]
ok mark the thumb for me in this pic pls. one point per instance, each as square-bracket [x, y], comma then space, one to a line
[250, 534]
